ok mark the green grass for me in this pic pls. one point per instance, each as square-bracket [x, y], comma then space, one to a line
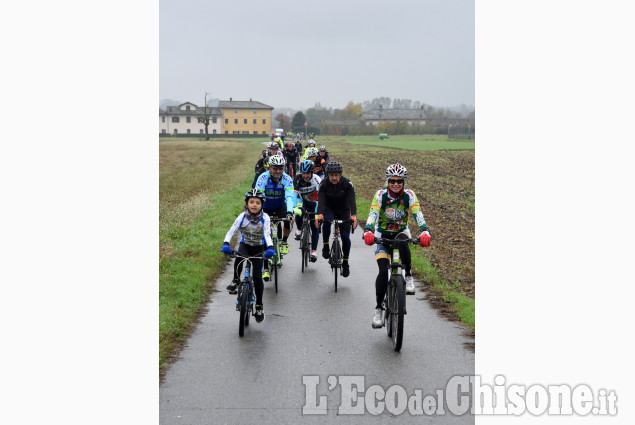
[408, 142]
[463, 306]
[201, 186]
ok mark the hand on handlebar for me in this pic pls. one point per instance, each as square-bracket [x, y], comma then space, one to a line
[270, 252]
[369, 238]
[424, 239]
[226, 249]
[317, 220]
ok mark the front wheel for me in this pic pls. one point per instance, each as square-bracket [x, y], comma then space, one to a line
[244, 296]
[399, 303]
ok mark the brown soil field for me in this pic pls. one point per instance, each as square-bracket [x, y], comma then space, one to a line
[444, 184]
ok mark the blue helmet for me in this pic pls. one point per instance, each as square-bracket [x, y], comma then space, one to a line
[307, 166]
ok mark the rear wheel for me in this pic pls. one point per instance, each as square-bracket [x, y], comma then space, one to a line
[398, 314]
[249, 308]
[244, 295]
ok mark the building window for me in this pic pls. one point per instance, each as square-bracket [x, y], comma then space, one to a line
[235, 132]
[245, 132]
[176, 131]
[264, 121]
[214, 131]
[255, 121]
[235, 111]
[264, 132]
[175, 119]
[245, 121]
[235, 120]
[226, 121]
[255, 111]
[255, 132]
[162, 119]
[187, 107]
[188, 131]
[163, 131]
[214, 120]
[188, 120]
[226, 132]
[201, 131]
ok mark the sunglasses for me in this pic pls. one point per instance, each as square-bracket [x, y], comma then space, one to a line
[395, 181]
[277, 168]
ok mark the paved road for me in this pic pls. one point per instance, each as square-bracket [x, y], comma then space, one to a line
[310, 330]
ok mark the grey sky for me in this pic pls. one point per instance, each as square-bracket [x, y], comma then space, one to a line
[290, 53]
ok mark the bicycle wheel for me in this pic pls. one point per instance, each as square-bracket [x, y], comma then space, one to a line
[249, 308]
[387, 306]
[276, 265]
[244, 295]
[398, 314]
[336, 255]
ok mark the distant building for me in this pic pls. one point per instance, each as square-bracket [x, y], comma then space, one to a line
[245, 117]
[187, 118]
[388, 116]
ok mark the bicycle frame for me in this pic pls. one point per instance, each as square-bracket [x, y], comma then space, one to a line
[336, 256]
[246, 296]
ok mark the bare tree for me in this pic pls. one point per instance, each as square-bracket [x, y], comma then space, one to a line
[207, 114]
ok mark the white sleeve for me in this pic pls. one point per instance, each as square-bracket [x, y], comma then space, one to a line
[267, 229]
[234, 228]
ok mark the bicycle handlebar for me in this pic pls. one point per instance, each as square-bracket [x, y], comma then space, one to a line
[345, 221]
[386, 241]
[235, 254]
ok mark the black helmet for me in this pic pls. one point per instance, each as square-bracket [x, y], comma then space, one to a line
[334, 167]
[255, 193]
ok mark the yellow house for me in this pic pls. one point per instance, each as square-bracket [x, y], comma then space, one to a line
[245, 117]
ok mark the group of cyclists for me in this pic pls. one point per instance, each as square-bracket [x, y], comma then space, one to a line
[319, 187]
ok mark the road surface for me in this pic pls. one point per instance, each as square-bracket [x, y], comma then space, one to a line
[315, 342]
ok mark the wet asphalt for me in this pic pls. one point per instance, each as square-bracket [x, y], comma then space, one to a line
[313, 335]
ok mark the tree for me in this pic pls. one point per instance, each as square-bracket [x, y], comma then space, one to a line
[298, 120]
[207, 115]
[283, 121]
[352, 111]
[315, 116]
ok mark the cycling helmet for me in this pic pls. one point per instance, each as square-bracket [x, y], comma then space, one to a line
[277, 160]
[396, 170]
[311, 141]
[334, 167]
[311, 152]
[274, 145]
[307, 166]
[255, 193]
[323, 148]
[290, 145]
[265, 153]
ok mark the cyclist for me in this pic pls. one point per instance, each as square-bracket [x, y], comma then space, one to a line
[291, 156]
[309, 144]
[306, 184]
[323, 153]
[336, 200]
[388, 218]
[255, 229]
[298, 146]
[279, 199]
[320, 163]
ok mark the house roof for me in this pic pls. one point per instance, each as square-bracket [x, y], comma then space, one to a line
[175, 110]
[394, 114]
[242, 104]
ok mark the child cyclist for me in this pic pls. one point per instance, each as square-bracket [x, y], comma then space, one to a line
[388, 218]
[255, 228]
[307, 184]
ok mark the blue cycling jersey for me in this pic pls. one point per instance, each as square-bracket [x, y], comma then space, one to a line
[277, 194]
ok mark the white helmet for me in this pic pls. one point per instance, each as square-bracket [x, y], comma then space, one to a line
[277, 160]
[396, 170]
[311, 152]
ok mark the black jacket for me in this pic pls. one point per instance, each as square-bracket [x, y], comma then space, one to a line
[337, 196]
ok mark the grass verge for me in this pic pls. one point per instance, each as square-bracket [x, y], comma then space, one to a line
[200, 183]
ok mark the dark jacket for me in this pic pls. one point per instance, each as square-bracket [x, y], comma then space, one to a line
[337, 196]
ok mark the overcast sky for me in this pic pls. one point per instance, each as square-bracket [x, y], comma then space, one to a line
[290, 53]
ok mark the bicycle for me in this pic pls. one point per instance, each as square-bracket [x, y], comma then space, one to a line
[275, 262]
[395, 299]
[305, 240]
[246, 298]
[336, 257]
